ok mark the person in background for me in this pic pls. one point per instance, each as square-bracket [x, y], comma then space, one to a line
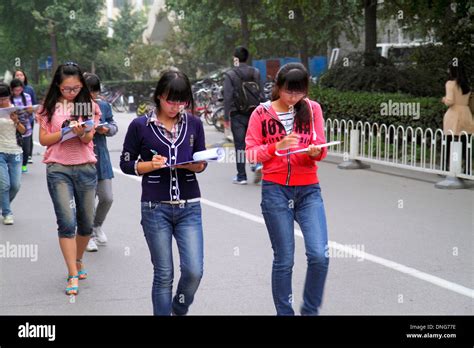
[458, 117]
[239, 119]
[21, 75]
[107, 128]
[11, 129]
[22, 99]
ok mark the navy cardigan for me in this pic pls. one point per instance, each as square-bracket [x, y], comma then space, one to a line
[166, 184]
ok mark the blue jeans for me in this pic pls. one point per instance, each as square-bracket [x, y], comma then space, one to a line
[281, 206]
[72, 190]
[10, 175]
[160, 223]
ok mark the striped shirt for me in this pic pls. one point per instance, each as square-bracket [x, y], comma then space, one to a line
[287, 119]
[72, 151]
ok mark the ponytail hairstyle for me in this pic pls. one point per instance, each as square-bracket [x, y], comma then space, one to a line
[294, 77]
[14, 84]
[83, 106]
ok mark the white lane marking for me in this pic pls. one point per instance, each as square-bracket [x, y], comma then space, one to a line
[348, 250]
[443, 283]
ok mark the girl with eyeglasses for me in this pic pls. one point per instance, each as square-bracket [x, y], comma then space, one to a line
[290, 184]
[71, 173]
[170, 202]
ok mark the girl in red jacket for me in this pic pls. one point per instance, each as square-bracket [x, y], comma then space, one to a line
[290, 186]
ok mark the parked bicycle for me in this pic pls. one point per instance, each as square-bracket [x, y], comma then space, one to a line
[116, 99]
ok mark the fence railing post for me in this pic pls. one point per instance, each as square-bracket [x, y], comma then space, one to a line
[350, 161]
[451, 181]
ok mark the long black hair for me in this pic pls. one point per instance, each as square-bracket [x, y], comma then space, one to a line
[14, 84]
[24, 74]
[175, 86]
[82, 102]
[458, 74]
[295, 78]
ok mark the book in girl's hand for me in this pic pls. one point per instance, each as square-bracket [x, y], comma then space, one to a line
[5, 112]
[67, 132]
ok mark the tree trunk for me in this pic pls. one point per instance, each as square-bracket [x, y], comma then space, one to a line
[304, 54]
[244, 25]
[54, 46]
[370, 17]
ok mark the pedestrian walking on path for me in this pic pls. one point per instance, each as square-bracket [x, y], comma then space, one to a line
[20, 98]
[11, 130]
[170, 201]
[107, 128]
[290, 184]
[21, 75]
[243, 92]
[71, 173]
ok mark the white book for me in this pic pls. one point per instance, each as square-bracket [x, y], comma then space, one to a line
[332, 143]
[211, 155]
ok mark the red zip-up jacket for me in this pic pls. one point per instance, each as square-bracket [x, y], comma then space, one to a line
[265, 130]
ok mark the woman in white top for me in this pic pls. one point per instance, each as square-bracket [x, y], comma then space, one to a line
[10, 155]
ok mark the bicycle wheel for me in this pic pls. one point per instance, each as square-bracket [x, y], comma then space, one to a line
[218, 119]
[208, 116]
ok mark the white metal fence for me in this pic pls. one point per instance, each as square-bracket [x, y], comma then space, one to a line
[411, 148]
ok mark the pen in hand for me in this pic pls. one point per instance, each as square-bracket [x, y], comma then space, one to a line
[158, 161]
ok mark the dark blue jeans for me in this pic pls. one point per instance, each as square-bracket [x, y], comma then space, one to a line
[160, 223]
[281, 206]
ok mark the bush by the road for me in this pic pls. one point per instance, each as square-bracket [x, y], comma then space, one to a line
[379, 107]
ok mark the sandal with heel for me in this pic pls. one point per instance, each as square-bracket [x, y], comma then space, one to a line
[72, 290]
[82, 273]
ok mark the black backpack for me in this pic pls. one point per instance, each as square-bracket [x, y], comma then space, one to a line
[247, 93]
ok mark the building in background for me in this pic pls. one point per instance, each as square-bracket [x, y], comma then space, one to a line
[158, 22]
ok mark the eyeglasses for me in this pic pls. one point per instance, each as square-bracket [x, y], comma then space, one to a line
[71, 89]
[71, 63]
[293, 94]
[171, 103]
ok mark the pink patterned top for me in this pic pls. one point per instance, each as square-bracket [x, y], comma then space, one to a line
[72, 151]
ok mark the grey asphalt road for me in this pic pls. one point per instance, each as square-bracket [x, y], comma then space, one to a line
[417, 240]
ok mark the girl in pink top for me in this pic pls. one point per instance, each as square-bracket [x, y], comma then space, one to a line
[71, 172]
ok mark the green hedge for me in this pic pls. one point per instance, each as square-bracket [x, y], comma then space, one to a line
[366, 107]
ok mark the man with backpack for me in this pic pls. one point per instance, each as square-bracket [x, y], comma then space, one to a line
[242, 94]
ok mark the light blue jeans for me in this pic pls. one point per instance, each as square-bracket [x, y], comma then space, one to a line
[10, 178]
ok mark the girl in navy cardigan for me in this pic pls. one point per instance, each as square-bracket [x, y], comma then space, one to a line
[154, 145]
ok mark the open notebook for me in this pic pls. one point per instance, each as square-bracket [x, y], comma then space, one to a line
[211, 155]
[285, 153]
[5, 112]
[68, 134]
